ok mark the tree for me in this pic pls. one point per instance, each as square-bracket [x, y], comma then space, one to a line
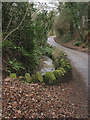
[72, 18]
[24, 36]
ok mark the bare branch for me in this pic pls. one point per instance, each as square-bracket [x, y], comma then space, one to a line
[9, 21]
[8, 25]
[17, 26]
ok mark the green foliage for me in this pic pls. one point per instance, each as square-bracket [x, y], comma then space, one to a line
[25, 45]
[48, 51]
[39, 76]
[16, 65]
[28, 78]
[58, 73]
[62, 66]
[63, 55]
[71, 21]
[49, 78]
[34, 79]
[60, 76]
[57, 55]
[13, 75]
[62, 69]
[77, 43]
[67, 37]
[85, 45]
[65, 64]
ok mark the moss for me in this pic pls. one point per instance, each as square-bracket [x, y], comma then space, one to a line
[49, 78]
[39, 76]
[28, 78]
[62, 66]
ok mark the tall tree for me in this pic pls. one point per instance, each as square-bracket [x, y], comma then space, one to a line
[73, 17]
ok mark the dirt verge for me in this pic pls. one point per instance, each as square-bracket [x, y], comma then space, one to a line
[70, 45]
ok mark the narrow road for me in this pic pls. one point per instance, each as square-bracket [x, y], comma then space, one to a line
[77, 58]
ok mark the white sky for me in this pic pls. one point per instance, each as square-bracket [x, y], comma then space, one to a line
[41, 1]
[50, 4]
[47, 1]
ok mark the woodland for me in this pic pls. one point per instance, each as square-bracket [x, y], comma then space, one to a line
[26, 29]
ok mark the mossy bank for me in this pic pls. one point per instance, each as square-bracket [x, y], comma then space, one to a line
[63, 70]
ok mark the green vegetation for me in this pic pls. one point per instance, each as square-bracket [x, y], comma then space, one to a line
[39, 76]
[77, 43]
[65, 64]
[28, 78]
[13, 75]
[71, 23]
[58, 73]
[49, 78]
[25, 30]
[63, 72]
[34, 78]
[24, 36]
